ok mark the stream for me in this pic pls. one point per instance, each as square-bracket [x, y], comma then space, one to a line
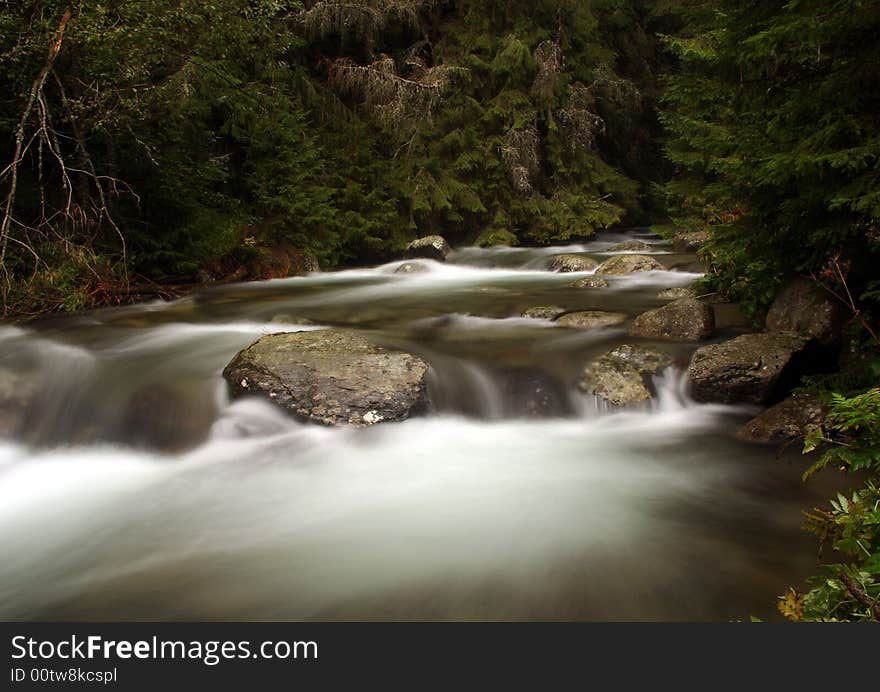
[131, 487]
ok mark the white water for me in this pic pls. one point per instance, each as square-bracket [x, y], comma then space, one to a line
[475, 511]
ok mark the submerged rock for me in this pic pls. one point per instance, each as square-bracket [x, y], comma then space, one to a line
[590, 282]
[689, 241]
[620, 376]
[17, 393]
[791, 418]
[590, 319]
[544, 312]
[432, 247]
[804, 308]
[168, 418]
[630, 246]
[411, 268]
[532, 393]
[628, 264]
[683, 320]
[566, 264]
[752, 368]
[333, 377]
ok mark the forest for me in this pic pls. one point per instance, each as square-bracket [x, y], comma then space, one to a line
[151, 146]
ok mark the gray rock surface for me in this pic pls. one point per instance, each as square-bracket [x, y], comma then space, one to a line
[682, 320]
[804, 308]
[791, 418]
[590, 319]
[432, 247]
[689, 241]
[544, 312]
[332, 377]
[620, 376]
[630, 246]
[752, 368]
[628, 264]
[590, 282]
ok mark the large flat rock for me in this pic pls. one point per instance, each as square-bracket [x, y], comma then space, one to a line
[332, 377]
[752, 368]
[686, 319]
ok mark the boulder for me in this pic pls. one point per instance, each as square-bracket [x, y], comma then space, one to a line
[689, 241]
[804, 308]
[565, 264]
[630, 246]
[687, 319]
[432, 247]
[590, 282]
[752, 368]
[620, 376]
[544, 312]
[628, 264]
[332, 377]
[791, 418]
[590, 319]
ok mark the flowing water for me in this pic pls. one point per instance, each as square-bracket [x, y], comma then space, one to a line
[132, 488]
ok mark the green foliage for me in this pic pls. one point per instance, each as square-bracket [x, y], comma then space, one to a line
[852, 429]
[850, 588]
[344, 129]
[771, 126]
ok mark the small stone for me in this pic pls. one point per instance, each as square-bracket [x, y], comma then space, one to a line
[544, 312]
[590, 282]
[591, 319]
[630, 246]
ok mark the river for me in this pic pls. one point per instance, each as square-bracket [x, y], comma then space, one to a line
[132, 488]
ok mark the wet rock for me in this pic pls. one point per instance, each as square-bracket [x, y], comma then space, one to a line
[591, 319]
[544, 312]
[411, 268]
[791, 418]
[689, 241]
[630, 246]
[752, 368]
[566, 264]
[647, 360]
[432, 247]
[170, 419]
[677, 293]
[682, 320]
[620, 376]
[804, 308]
[628, 264]
[18, 391]
[531, 393]
[276, 262]
[496, 238]
[332, 377]
[590, 282]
